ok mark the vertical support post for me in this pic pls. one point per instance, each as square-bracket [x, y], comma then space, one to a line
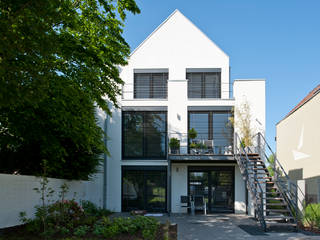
[259, 148]
[169, 187]
[235, 143]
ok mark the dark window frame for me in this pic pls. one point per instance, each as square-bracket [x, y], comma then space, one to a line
[203, 84]
[213, 168]
[144, 157]
[165, 76]
[210, 122]
[145, 169]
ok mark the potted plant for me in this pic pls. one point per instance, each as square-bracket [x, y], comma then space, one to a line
[174, 145]
[192, 134]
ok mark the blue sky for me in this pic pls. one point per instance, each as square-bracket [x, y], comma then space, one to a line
[278, 40]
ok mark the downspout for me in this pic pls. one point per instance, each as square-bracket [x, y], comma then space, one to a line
[104, 190]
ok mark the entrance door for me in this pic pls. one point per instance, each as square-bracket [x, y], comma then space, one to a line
[144, 188]
[216, 184]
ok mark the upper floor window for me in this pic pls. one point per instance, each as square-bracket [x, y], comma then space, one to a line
[204, 83]
[150, 83]
[144, 135]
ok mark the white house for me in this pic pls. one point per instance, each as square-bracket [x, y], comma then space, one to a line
[178, 79]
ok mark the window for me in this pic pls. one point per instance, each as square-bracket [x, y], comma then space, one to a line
[144, 135]
[204, 84]
[150, 85]
[144, 188]
[213, 125]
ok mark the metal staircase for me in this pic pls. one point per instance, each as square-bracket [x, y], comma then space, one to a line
[274, 196]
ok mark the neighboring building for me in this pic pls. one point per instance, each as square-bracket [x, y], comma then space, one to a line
[178, 79]
[298, 144]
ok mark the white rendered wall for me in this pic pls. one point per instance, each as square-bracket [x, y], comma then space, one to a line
[180, 187]
[176, 44]
[253, 92]
[17, 194]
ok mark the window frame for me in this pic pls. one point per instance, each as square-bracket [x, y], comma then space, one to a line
[151, 84]
[202, 84]
[210, 122]
[144, 157]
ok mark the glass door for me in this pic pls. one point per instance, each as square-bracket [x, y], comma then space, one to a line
[199, 184]
[216, 184]
[222, 188]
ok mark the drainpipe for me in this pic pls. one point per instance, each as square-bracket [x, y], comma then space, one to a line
[104, 190]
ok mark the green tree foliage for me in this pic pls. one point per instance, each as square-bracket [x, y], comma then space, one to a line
[58, 58]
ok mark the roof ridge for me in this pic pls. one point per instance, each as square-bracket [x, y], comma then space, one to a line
[311, 94]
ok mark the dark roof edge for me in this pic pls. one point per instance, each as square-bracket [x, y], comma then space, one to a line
[306, 99]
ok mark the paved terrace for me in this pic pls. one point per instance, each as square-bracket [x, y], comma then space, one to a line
[228, 226]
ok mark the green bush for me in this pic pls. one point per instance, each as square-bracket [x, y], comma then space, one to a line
[81, 231]
[312, 215]
[90, 209]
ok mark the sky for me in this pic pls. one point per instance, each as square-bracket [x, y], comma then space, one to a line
[277, 40]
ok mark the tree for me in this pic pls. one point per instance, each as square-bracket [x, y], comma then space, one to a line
[58, 58]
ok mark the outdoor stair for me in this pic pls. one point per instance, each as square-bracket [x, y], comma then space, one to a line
[276, 210]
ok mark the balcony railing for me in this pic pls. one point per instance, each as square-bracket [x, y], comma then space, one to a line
[222, 145]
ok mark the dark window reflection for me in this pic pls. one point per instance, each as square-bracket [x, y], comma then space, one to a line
[144, 135]
[144, 190]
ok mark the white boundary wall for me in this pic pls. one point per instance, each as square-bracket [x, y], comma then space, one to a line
[17, 194]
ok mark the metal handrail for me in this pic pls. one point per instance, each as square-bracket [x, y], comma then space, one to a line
[291, 197]
[251, 185]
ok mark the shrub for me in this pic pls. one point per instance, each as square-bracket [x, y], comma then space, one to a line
[312, 215]
[81, 231]
[90, 209]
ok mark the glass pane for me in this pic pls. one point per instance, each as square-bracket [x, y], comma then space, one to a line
[222, 133]
[156, 191]
[212, 85]
[133, 134]
[155, 133]
[194, 85]
[142, 85]
[133, 190]
[198, 184]
[200, 122]
[222, 190]
[159, 85]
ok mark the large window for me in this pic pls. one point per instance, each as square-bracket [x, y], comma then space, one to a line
[144, 135]
[150, 85]
[204, 84]
[144, 188]
[214, 130]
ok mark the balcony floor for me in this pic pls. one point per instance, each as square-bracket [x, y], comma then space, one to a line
[202, 158]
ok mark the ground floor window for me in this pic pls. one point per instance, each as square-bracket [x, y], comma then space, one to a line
[216, 184]
[144, 188]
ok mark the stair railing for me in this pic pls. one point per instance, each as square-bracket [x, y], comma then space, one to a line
[286, 186]
[252, 184]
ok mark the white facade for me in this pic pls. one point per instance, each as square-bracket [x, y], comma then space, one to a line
[177, 45]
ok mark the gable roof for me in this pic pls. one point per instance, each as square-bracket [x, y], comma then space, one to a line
[307, 98]
[164, 22]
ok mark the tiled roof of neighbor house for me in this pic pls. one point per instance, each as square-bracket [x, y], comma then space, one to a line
[311, 94]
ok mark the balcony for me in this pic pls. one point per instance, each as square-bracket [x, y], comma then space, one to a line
[183, 148]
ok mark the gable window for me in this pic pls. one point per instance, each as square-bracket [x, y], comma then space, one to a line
[204, 83]
[144, 135]
[150, 83]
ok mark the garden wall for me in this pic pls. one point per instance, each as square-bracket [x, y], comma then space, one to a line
[17, 194]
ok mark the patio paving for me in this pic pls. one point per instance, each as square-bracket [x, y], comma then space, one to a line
[229, 226]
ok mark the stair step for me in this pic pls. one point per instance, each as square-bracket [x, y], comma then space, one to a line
[277, 217]
[273, 198]
[276, 204]
[281, 224]
[278, 210]
[264, 182]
